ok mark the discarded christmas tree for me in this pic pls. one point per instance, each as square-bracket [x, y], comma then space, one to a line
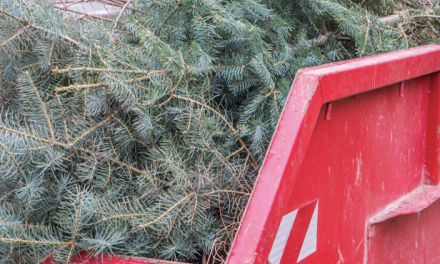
[144, 137]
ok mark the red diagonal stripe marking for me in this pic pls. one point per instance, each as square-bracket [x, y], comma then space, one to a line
[298, 233]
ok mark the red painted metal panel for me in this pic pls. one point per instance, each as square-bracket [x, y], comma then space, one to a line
[379, 142]
[368, 155]
[433, 134]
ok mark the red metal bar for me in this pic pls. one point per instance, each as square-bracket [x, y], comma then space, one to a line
[328, 111]
[414, 202]
[433, 132]
[402, 89]
[257, 232]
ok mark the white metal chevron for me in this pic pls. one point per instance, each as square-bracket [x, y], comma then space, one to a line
[281, 238]
[309, 244]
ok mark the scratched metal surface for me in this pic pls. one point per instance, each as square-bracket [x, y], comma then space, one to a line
[367, 155]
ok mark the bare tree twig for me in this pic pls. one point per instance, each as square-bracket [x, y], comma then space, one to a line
[120, 13]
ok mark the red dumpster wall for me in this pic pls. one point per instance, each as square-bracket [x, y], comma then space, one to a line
[353, 138]
[367, 155]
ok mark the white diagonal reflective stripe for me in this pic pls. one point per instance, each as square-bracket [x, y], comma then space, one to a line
[281, 238]
[309, 244]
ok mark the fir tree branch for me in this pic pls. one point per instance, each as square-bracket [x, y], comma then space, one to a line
[169, 16]
[51, 208]
[20, 32]
[235, 152]
[70, 145]
[228, 166]
[41, 147]
[97, 47]
[11, 192]
[95, 161]
[42, 105]
[30, 65]
[120, 13]
[24, 134]
[115, 161]
[67, 38]
[22, 225]
[63, 115]
[103, 29]
[123, 216]
[261, 101]
[43, 260]
[109, 174]
[2, 11]
[167, 211]
[27, 7]
[10, 156]
[91, 130]
[36, 242]
[225, 191]
[75, 231]
[125, 127]
[126, 88]
[206, 32]
[54, 160]
[78, 87]
[254, 163]
[165, 5]
[276, 104]
[366, 34]
[88, 69]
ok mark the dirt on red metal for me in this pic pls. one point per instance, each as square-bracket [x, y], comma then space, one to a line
[354, 138]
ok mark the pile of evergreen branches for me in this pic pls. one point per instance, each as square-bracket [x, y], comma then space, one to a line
[144, 136]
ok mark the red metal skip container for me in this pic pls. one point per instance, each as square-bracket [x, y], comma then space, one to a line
[352, 172]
